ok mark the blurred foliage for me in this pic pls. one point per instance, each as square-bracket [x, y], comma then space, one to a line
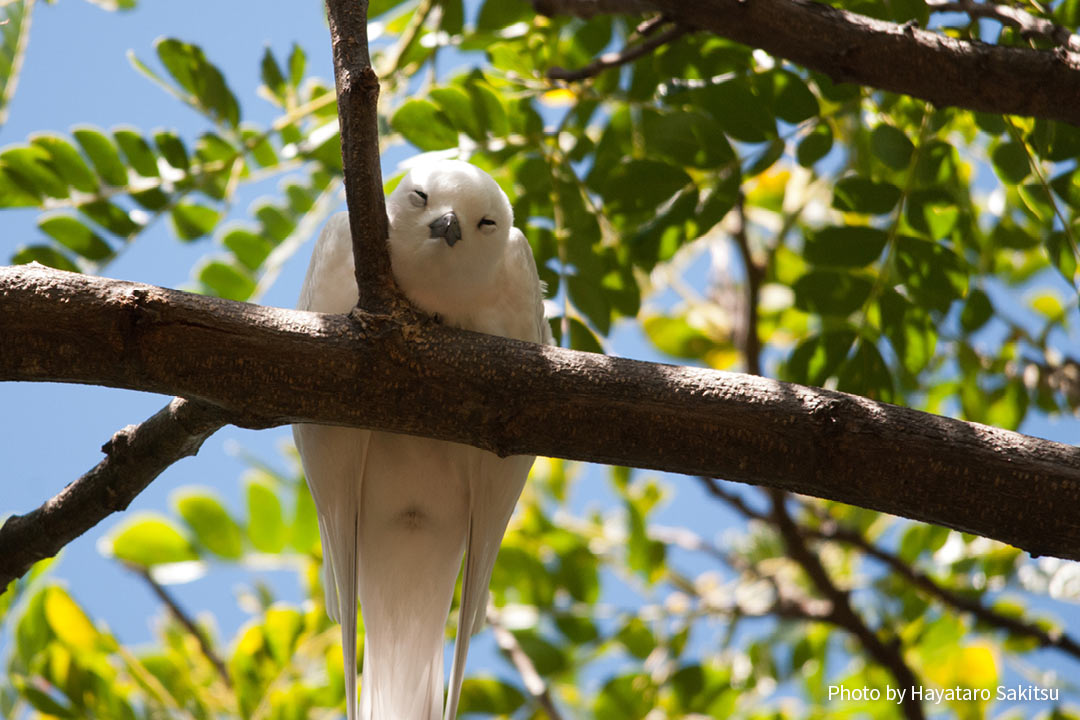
[924, 256]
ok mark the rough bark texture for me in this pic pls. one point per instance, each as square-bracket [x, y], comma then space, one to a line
[268, 366]
[358, 103]
[900, 58]
[134, 456]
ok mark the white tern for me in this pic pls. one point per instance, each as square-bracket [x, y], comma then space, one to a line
[397, 512]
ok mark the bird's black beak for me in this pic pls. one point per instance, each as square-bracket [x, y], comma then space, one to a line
[447, 227]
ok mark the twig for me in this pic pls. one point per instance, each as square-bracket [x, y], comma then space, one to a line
[1028, 25]
[888, 655]
[182, 617]
[529, 676]
[617, 59]
[751, 341]
[833, 531]
[134, 456]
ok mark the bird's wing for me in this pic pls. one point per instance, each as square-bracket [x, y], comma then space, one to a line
[498, 482]
[334, 458]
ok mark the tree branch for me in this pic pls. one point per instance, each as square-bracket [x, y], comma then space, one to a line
[182, 617]
[134, 456]
[269, 366]
[888, 655]
[832, 531]
[1028, 25]
[524, 665]
[617, 59]
[879, 54]
[358, 105]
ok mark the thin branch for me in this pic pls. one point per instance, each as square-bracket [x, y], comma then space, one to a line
[358, 103]
[617, 59]
[269, 366]
[888, 655]
[1028, 25]
[134, 456]
[898, 58]
[529, 676]
[832, 531]
[751, 340]
[182, 617]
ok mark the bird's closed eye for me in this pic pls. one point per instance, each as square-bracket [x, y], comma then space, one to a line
[485, 221]
[418, 198]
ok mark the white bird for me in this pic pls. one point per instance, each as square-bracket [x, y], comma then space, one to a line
[396, 512]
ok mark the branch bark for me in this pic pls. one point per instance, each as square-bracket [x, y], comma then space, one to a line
[883, 55]
[358, 105]
[134, 456]
[268, 366]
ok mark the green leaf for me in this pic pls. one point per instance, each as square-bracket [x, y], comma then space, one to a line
[817, 358]
[148, 539]
[788, 95]
[910, 331]
[977, 311]
[640, 185]
[266, 521]
[33, 167]
[891, 146]
[933, 273]
[41, 701]
[193, 72]
[103, 154]
[16, 191]
[739, 111]
[74, 235]
[458, 107]
[111, 217]
[845, 246]
[67, 161]
[211, 523]
[489, 696]
[676, 337]
[831, 292]
[424, 125]
[304, 530]
[137, 151]
[226, 280]
[582, 338]
[249, 248]
[172, 149]
[1010, 161]
[815, 146]
[271, 75]
[637, 638]
[191, 221]
[627, 696]
[865, 373]
[68, 621]
[862, 195]
[589, 299]
[497, 14]
[686, 137]
[297, 63]
[281, 629]
[44, 254]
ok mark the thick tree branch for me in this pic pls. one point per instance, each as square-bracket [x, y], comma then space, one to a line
[134, 456]
[883, 55]
[358, 104]
[269, 366]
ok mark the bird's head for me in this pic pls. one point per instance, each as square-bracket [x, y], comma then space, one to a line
[449, 226]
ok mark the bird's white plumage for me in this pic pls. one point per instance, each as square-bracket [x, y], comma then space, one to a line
[397, 512]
